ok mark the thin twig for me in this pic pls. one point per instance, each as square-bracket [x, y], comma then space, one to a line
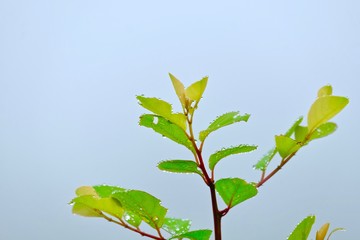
[137, 230]
[270, 175]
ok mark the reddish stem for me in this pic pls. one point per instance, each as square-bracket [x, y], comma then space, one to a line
[209, 181]
[123, 224]
[270, 175]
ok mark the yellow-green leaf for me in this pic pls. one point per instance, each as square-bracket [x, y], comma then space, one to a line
[85, 211]
[300, 133]
[325, 91]
[321, 233]
[91, 201]
[86, 190]
[167, 129]
[323, 109]
[286, 145]
[164, 109]
[179, 89]
[108, 205]
[195, 91]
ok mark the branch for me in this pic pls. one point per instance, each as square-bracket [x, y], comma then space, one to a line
[123, 224]
[270, 175]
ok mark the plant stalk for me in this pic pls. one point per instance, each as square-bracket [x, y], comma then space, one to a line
[217, 215]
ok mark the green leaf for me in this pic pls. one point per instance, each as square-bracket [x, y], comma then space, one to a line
[132, 219]
[105, 191]
[302, 230]
[323, 109]
[107, 205]
[222, 121]
[325, 91]
[144, 205]
[301, 133]
[323, 130]
[235, 190]
[266, 159]
[179, 166]
[164, 109]
[225, 152]
[195, 235]
[176, 226]
[286, 145]
[292, 129]
[167, 129]
[195, 91]
[179, 89]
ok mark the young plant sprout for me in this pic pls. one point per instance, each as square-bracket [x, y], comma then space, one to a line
[131, 208]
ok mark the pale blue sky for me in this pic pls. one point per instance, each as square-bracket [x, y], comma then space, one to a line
[69, 73]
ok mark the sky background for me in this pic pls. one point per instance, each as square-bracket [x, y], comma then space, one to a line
[69, 74]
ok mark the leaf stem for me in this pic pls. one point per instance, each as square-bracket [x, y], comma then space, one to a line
[270, 175]
[225, 211]
[262, 175]
[137, 230]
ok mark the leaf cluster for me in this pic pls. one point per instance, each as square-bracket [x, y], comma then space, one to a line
[324, 108]
[131, 208]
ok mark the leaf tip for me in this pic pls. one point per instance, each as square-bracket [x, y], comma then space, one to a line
[325, 91]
